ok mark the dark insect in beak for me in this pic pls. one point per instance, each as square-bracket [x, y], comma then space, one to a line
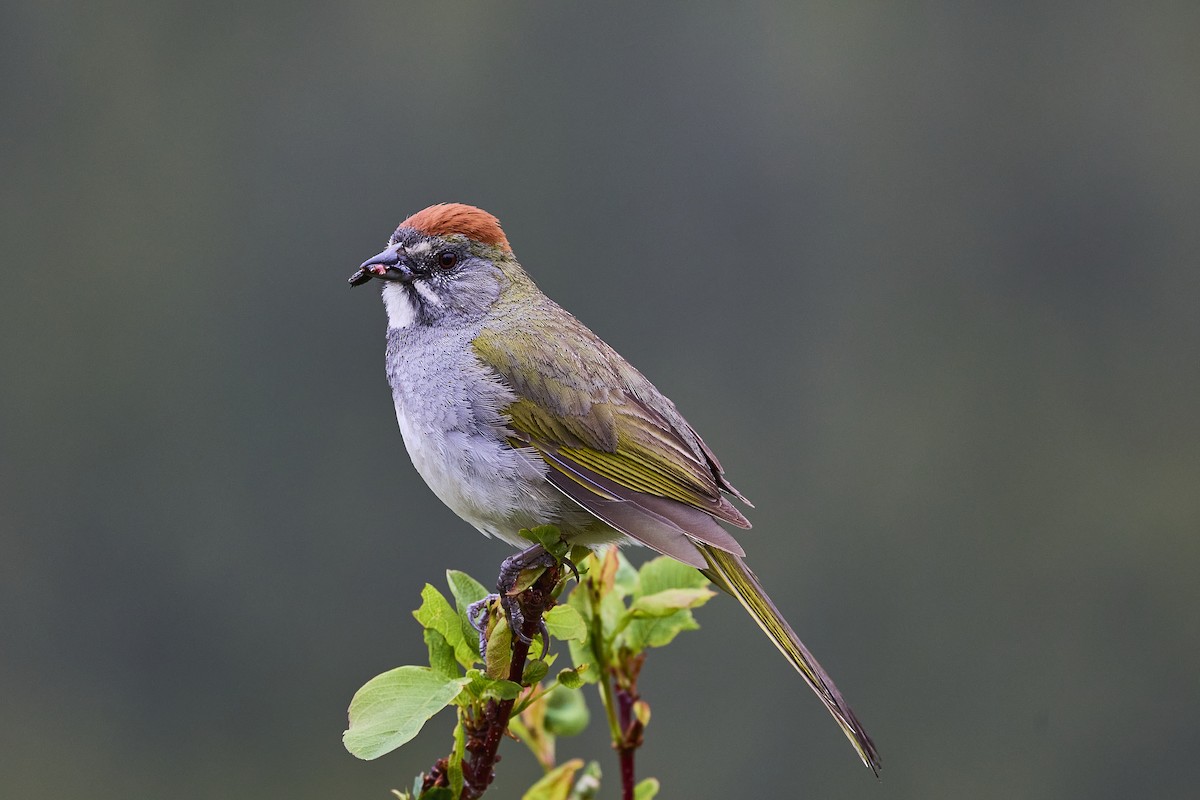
[386, 266]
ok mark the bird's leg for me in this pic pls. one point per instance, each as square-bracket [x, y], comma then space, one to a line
[508, 587]
[477, 615]
[509, 581]
[512, 567]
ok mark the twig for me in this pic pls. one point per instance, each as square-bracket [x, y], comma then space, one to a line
[625, 708]
[484, 735]
[632, 728]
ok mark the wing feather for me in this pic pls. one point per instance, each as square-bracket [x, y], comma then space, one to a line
[614, 443]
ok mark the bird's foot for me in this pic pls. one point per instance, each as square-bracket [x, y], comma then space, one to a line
[512, 567]
[510, 585]
[477, 615]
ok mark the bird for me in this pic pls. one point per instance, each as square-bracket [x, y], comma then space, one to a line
[517, 415]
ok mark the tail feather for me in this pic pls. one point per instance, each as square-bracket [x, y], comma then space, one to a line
[731, 574]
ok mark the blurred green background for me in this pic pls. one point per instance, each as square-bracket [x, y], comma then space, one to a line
[924, 275]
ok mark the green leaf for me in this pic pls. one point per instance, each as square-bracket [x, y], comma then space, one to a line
[662, 573]
[646, 790]
[503, 690]
[547, 536]
[625, 582]
[499, 649]
[574, 678]
[578, 555]
[391, 708]
[657, 631]
[612, 608]
[555, 784]
[527, 577]
[482, 686]
[466, 590]
[438, 793]
[668, 601]
[441, 654]
[435, 612]
[580, 600]
[534, 672]
[581, 657]
[566, 712]
[550, 539]
[565, 623]
[654, 620]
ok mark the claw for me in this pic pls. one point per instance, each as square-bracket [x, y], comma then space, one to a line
[571, 566]
[510, 574]
[514, 565]
[477, 615]
[516, 617]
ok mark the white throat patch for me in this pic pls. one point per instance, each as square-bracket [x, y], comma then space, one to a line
[401, 308]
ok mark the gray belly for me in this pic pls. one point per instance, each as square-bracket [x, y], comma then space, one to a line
[497, 489]
[450, 414]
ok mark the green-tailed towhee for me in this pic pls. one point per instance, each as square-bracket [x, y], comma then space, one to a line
[517, 415]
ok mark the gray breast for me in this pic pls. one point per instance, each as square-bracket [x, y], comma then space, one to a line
[449, 407]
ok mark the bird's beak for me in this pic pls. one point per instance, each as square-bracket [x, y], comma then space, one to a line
[387, 266]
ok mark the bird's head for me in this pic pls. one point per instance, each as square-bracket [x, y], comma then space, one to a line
[449, 262]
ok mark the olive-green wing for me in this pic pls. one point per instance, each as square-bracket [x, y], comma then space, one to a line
[620, 449]
[613, 442]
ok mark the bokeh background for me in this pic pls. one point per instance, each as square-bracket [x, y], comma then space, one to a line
[924, 275]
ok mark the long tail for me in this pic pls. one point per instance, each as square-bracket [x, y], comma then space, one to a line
[731, 574]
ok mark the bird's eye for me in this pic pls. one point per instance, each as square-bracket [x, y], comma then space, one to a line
[447, 259]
